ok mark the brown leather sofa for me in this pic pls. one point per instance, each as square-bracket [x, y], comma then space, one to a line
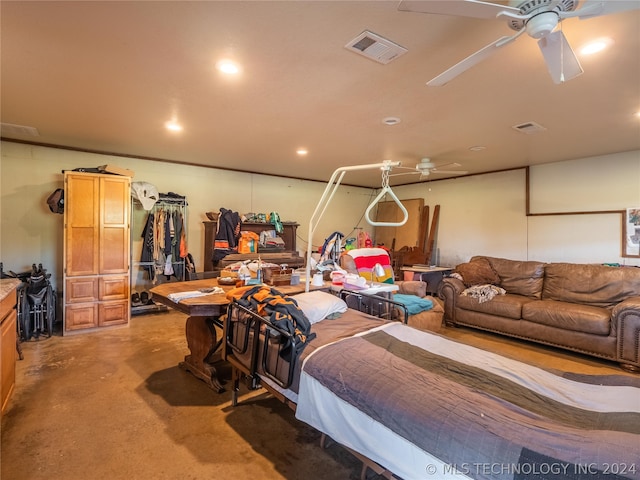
[591, 309]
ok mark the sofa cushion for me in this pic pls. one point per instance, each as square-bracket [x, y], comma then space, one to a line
[477, 272]
[519, 277]
[597, 285]
[569, 316]
[509, 306]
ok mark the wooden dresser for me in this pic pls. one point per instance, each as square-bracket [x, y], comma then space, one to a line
[8, 330]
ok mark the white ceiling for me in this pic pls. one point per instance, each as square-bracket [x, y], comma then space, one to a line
[106, 76]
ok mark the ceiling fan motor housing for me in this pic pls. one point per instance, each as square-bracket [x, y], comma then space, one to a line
[542, 15]
[424, 166]
[542, 24]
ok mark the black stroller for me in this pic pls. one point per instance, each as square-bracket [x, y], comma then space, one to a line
[36, 303]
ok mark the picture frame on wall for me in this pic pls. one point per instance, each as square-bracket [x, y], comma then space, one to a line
[631, 232]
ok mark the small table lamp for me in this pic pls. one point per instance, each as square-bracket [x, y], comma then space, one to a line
[376, 272]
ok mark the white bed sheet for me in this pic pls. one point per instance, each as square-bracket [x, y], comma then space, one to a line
[350, 427]
[345, 424]
[320, 408]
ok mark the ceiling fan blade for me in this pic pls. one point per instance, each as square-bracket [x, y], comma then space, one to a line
[596, 8]
[450, 172]
[404, 173]
[562, 63]
[471, 61]
[460, 8]
[445, 165]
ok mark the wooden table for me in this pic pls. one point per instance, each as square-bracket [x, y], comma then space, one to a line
[205, 315]
[375, 288]
[432, 275]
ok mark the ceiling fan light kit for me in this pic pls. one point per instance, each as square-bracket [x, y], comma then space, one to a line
[538, 18]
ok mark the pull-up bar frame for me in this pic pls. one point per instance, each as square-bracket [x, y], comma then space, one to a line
[329, 192]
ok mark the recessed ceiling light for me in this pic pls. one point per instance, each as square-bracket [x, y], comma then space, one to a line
[228, 67]
[596, 46]
[302, 151]
[391, 120]
[477, 148]
[173, 126]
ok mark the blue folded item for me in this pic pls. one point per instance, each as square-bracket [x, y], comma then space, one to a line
[413, 303]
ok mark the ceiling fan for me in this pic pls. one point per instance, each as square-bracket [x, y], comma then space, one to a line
[426, 167]
[538, 18]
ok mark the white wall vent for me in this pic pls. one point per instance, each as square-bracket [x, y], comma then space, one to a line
[375, 47]
[9, 129]
[529, 128]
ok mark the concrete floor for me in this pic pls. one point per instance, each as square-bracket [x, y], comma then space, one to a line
[115, 405]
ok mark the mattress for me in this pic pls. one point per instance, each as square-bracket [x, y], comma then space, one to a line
[423, 406]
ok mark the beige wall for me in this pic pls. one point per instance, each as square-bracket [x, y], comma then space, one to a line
[30, 233]
[483, 214]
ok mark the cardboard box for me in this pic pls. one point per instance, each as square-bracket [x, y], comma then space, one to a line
[229, 273]
[125, 172]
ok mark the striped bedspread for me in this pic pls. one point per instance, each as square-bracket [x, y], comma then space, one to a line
[424, 406]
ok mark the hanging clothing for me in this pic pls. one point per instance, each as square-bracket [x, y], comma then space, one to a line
[227, 234]
[146, 255]
[164, 247]
[175, 232]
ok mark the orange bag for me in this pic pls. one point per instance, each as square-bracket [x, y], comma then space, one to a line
[248, 242]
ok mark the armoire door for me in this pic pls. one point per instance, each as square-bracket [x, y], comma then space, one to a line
[114, 225]
[82, 225]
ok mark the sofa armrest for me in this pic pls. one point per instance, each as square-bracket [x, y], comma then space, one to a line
[449, 290]
[625, 325]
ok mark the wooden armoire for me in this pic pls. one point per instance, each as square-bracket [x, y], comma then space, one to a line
[96, 251]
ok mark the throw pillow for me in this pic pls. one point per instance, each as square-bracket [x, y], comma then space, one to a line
[478, 272]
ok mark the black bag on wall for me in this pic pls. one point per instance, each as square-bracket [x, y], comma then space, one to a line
[56, 201]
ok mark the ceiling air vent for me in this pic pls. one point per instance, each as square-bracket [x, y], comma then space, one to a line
[9, 129]
[375, 47]
[529, 128]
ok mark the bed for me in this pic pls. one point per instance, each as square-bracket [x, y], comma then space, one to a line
[419, 405]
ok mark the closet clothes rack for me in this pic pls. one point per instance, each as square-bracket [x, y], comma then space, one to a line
[164, 240]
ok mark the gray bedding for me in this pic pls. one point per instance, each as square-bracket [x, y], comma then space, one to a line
[509, 421]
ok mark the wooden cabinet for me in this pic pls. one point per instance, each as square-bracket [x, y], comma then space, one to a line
[96, 251]
[288, 235]
[7, 340]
